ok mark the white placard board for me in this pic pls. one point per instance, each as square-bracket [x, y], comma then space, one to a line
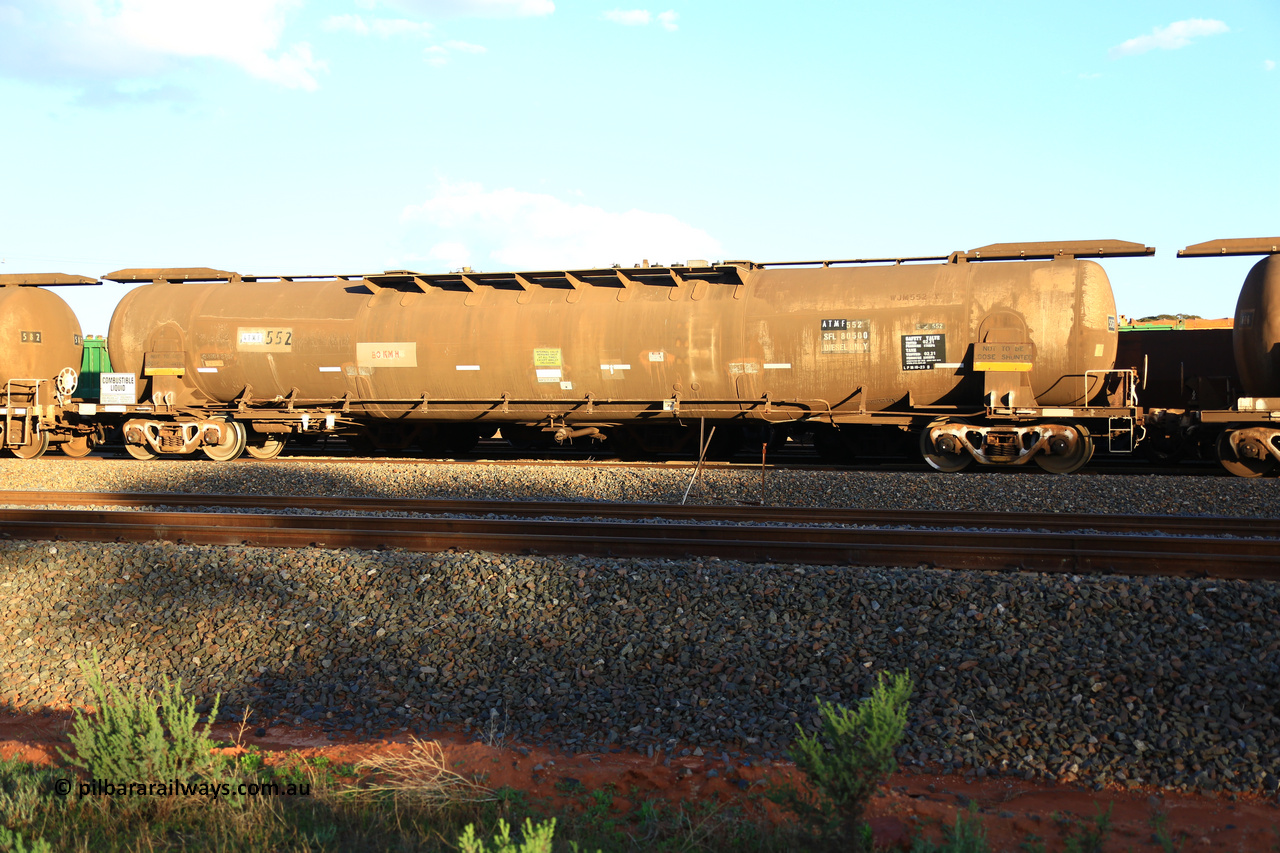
[117, 389]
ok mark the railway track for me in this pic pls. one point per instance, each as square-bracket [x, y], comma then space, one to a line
[783, 461]
[1157, 545]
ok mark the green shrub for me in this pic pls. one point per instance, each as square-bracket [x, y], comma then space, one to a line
[13, 842]
[537, 839]
[141, 735]
[849, 760]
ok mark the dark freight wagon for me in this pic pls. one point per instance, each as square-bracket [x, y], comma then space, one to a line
[1246, 431]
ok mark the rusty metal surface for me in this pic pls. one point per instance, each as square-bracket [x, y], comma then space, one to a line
[1236, 246]
[39, 337]
[950, 549]
[1180, 525]
[639, 343]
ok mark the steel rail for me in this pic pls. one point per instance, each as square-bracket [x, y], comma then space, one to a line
[1251, 559]
[784, 460]
[1148, 524]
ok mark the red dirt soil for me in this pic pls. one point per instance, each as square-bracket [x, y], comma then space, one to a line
[919, 800]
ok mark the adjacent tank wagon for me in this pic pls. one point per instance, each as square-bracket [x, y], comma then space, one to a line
[1002, 355]
[40, 353]
[1248, 433]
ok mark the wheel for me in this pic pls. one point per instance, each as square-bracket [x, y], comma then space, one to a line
[1072, 462]
[233, 444]
[1239, 465]
[141, 452]
[941, 459]
[264, 446]
[35, 449]
[77, 447]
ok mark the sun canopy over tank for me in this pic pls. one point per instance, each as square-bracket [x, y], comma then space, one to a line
[995, 252]
[45, 279]
[1066, 249]
[726, 273]
[1236, 246]
[172, 274]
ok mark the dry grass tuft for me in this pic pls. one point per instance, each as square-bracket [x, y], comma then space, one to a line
[421, 775]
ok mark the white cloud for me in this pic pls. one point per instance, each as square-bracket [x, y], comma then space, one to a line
[386, 27]
[452, 255]
[438, 54]
[473, 8]
[383, 27]
[642, 17]
[628, 17]
[345, 23]
[123, 39]
[1269, 65]
[1177, 35]
[518, 229]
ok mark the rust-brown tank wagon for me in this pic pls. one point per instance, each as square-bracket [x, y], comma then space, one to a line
[40, 354]
[1248, 432]
[1002, 354]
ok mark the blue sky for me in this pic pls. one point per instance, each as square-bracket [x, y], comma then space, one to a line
[298, 136]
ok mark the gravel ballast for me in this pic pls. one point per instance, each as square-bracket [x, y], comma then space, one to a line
[1163, 681]
[1102, 679]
